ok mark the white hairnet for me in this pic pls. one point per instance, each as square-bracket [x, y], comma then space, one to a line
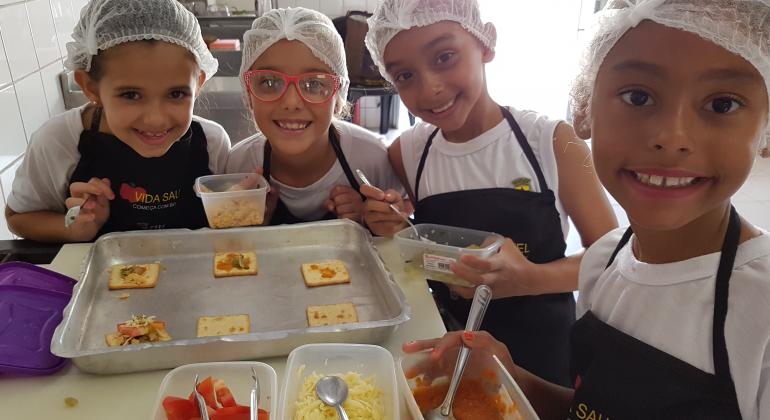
[739, 26]
[309, 27]
[106, 23]
[394, 16]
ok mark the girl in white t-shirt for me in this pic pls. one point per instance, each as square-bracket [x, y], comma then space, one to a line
[129, 158]
[294, 75]
[674, 314]
[473, 163]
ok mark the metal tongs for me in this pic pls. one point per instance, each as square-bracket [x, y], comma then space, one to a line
[200, 401]
[254, 403]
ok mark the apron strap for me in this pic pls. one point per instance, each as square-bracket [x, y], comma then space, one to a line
[335, 143]
[421, 166]
[721, 294]
[721, 291]
[96, 119]
[623, 241]
[524, 144]
[520, 137]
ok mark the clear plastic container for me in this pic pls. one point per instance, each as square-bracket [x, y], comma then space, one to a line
[329, 359]
[445, 245]
[483, 370]
[236, 375]
[233, 200]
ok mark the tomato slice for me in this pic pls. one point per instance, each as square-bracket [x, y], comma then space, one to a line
[238, 412]
[206, 389]
[224, 396]
[179, 408]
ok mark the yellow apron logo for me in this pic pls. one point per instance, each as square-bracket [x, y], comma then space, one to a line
[521, 184]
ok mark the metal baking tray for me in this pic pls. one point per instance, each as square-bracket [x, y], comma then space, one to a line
[276, 299]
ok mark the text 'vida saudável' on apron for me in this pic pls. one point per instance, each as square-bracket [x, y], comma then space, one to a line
[150, 193]
[534, 328]
[282, 214]
[621, 377]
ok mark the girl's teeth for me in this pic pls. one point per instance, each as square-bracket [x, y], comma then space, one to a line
[443, 108]
[663, 181]
[292, 125]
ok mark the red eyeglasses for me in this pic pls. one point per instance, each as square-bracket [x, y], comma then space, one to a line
[270, 86]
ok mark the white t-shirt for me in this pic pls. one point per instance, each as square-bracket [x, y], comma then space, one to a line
[43, 178]
[363, 150]
[670, 307]
[492, 160]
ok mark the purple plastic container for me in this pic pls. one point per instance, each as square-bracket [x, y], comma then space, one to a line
[31, 303]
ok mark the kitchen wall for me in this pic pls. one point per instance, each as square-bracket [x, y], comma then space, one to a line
[33, 35]
[331, 8]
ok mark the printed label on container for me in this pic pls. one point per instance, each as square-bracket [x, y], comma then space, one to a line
[437, 263]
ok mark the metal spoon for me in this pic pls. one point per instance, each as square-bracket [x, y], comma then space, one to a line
[254, 403]
[365, 180]
[333, 391]
[200, 401]
[481, 300]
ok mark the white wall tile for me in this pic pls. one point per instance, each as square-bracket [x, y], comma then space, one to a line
[31, 97]
[371, 5]
[17, 39]
[4, 2]
[52, 87]
[6, 178]
[5, 72]
[14, 142]
[43, 32]
[286, 3]
[6, 181]
[370, 102]
[359, 5]
[332, 8]
[64, 19]
[309, 4]
[78, 5]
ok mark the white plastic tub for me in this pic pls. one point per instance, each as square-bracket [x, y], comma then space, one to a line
[236, 375]
[482, 367]
[233, 200]
[445, 245]
[329, 359]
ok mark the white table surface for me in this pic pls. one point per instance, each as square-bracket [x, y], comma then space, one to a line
[131, 396]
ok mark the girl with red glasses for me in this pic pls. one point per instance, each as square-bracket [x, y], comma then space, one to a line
[295, 82]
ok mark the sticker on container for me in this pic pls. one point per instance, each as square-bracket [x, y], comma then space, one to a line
[437, 263]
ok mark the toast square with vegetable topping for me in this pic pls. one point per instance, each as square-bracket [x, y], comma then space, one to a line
[325, 273]
[235, 264]
[340, 313]
[134, 276]
[212, 326]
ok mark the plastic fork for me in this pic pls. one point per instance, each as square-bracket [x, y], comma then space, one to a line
[200, 401]
[254, 404]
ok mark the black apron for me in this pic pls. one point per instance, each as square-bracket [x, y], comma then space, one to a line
[282, 214]
[535, 328]
[621, 377]
[150, 193]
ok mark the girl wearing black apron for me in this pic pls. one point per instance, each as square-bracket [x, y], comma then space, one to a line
[535, 328]
[620, 377]
[150, 193]
[282, 214]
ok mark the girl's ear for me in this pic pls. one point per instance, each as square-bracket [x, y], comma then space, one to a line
[582, 126]
[201, 82]
[89, 86]
[488, 56]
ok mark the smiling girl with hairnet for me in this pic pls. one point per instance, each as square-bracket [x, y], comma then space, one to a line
[295, 82]
[128, 158]
[475, 164]
[674, 315]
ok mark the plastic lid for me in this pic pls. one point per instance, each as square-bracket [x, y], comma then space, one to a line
[31, 303]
